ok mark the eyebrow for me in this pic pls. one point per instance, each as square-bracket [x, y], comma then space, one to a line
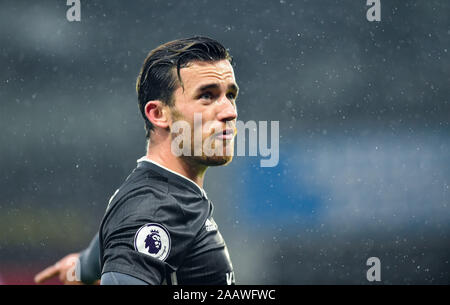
[233, 87]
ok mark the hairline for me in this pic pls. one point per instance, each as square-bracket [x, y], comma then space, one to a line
[190, 63]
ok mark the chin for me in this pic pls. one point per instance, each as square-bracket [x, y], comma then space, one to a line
[218, 161]
[213, 160]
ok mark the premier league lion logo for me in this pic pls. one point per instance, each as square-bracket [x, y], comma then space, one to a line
[153, 239]
[153, 242]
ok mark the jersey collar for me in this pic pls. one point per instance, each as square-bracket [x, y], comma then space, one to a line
[145, 159]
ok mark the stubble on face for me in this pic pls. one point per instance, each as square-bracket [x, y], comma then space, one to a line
[222, 153]
[215, 150]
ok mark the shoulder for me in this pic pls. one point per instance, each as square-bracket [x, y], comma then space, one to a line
[144, 202]
[141, 190]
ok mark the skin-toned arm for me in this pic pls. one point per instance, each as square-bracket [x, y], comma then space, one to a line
[88, 262]
[64, 269]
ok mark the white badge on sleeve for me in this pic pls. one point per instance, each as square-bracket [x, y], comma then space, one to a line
[154, 240]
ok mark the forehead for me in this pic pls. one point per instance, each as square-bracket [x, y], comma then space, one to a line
[200, 73]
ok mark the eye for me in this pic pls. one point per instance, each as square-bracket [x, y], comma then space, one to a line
[206, 95]
[231, 96]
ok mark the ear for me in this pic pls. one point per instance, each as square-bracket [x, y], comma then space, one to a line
[157, 113]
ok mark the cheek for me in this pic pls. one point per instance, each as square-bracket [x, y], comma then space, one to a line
[208, 128]
[201, 122]
[209, 121]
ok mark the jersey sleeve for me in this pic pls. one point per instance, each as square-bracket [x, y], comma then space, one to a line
[144, 237]
[89, 262]
[116, 278]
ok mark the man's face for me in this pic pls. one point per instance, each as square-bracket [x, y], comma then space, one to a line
[210, 89]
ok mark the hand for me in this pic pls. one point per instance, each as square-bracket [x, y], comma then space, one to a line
[64, 269]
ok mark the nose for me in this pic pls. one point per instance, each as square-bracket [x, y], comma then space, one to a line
[227, 110]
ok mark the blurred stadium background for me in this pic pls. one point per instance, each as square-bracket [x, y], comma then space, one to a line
[364, 132]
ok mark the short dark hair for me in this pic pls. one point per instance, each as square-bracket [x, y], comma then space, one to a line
[157, 81]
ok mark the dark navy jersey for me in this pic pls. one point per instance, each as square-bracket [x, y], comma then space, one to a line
[159, 228]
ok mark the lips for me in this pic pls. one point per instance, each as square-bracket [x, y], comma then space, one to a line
[226, 134]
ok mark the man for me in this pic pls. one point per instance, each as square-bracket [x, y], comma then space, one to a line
[158, 227]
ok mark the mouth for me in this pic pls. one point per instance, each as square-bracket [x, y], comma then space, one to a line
[226, 134]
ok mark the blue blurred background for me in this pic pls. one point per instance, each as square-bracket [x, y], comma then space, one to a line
[364, 165]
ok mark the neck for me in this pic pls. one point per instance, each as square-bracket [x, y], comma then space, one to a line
[162, 154]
